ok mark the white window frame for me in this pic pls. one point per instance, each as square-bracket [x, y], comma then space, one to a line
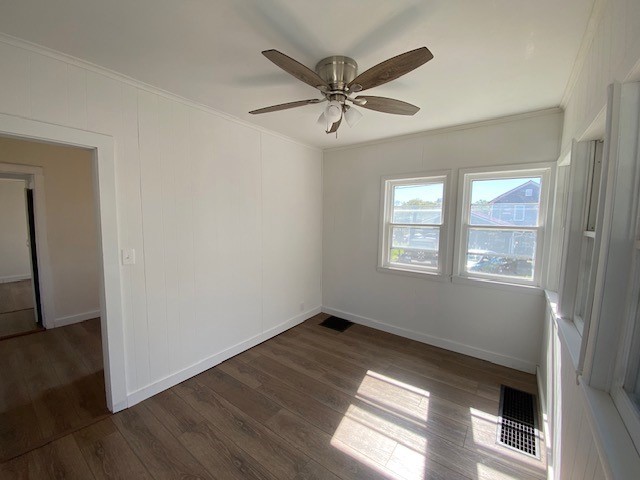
[386, 224]
[547, 173]
[585, 285]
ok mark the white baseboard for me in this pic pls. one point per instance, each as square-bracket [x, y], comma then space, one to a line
[15, 278]
[213, 360]
[71, 319]
[492, 357]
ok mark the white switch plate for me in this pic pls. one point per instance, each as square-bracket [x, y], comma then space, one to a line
[128, 256]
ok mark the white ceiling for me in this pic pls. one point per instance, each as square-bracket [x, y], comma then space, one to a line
[492, 57]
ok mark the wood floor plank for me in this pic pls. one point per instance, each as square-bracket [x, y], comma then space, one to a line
[244, 398]
[399, 424]
[276, 455]
[107, 453]
[344, 460]
[216, 452]
[61, 459]
[159, 451]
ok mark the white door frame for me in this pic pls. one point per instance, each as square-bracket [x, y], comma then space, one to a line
[111, 311]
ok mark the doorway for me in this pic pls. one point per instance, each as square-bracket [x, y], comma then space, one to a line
[52, 380]
[20, 308]
[111, 307]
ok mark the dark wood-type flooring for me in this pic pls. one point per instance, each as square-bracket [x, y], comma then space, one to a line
[16, 308]
[51, 384]
[310, 403]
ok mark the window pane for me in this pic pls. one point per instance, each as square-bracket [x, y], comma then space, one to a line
[584, 273]
[509, 253]
[505, 201]
[415, 246]
[418, 203]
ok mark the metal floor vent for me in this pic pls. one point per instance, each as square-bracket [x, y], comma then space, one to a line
[336, 323]
[518, 421]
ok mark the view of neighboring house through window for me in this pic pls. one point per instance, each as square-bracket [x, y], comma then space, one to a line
[502, 225]
[413, 224]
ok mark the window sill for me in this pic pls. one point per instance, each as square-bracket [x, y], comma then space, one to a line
[510, 287]
[438, 277]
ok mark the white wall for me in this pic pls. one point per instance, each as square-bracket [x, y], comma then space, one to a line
[502, 326]
[70, 222]
[222, 216]
[14, 234]
[610, 53]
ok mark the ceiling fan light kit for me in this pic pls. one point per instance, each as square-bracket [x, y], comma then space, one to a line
[337, 78]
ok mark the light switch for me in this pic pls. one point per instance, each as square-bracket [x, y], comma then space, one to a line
[128, 256]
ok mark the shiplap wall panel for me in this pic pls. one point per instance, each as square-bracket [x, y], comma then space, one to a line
[14, 94]
[182, 330]
[76, 85]
[48, 89]
[189, 200]
[286, 291]
[153, 232]
[170, 134]
[130, 214]
[235, 186]
[613, 53]
[205, 231]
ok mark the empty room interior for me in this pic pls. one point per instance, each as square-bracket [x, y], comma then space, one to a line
[277, 239]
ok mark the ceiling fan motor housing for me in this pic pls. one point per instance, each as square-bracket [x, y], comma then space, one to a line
[337, 71]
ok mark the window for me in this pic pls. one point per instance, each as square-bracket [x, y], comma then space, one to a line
[414, 224]
[518, 212]
[502, 218]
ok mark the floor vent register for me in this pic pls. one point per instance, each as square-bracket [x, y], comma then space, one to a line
[518, 421]
[338, 324]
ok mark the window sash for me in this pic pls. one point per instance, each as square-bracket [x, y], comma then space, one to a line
[539, 231]
[525, 171]
[388, 185]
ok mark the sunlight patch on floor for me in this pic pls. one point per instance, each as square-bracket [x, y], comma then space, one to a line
[386, 428]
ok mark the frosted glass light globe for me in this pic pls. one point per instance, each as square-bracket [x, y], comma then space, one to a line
[333, 112]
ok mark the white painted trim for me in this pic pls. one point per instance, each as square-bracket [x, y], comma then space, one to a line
[620, 459]
[210, 362]
[499, 284]
[492, 357]
[77, 318]
[110, 292]
[34, 176]
[92, 67]
[452, 128]
[15, 278]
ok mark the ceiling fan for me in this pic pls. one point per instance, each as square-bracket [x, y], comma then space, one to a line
[337, 79]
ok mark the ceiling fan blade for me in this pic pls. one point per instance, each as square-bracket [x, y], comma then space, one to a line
[285, 106]
[295, 68]
[391, 69]
[334, 127]
[388, 105]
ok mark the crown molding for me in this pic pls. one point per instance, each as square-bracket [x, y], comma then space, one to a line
[92, 67]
